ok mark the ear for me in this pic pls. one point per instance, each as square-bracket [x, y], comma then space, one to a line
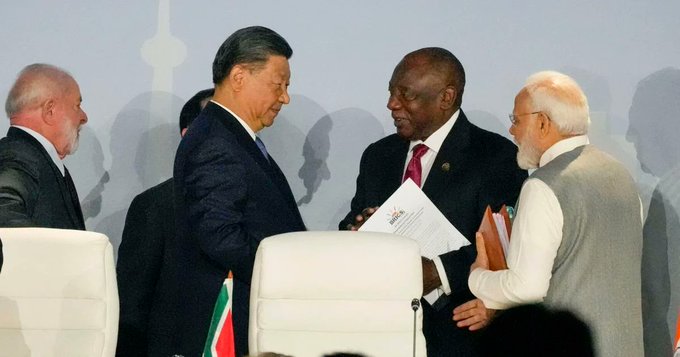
[237, 77]
[448, 96]
[47, 111]
[545, 124]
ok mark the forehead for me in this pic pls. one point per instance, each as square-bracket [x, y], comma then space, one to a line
[277, 66]
[522, 99]
[70, 90]
[414, 72]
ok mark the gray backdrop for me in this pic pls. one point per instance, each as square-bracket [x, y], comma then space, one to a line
[138, 61]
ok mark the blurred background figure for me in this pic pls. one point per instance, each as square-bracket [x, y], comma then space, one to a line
[654, 124]
[533, 331]
[149, 224]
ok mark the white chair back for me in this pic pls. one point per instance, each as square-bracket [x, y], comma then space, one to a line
[58, 293]
[316, 293]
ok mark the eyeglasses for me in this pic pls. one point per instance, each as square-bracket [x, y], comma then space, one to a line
[513, 117]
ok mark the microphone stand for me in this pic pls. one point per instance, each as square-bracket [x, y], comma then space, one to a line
[415, 304]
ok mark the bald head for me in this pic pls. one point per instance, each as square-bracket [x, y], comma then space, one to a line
[561, 98]
[35, 84]
[440, 63]
[46, 99]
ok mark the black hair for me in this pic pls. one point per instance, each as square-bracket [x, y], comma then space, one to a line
[252, 46]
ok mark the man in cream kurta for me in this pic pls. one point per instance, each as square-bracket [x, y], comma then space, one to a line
[577, 237]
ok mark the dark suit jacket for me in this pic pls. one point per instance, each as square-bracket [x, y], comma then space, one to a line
[482, 170]
[33, 192]
[228, 198]
[150, 221]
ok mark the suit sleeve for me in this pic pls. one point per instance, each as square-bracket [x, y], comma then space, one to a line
[501, 184]
[358, 202]
[19, 184]
[138, 267]
[216, 199]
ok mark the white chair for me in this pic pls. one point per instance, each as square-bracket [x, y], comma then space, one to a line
[316, 293]
[58, 293]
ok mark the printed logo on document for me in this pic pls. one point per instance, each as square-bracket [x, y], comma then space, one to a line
[395, 213]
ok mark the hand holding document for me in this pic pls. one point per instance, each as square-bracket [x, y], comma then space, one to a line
[495, 229]
[408, 212]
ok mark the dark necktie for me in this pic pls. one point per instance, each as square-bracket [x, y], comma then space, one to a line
[74, 196]
[260, 145]
[414, 170]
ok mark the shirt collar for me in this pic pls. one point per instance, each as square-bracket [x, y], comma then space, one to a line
[434, 142]
[561, 147]
[243, 123]
[49, 147]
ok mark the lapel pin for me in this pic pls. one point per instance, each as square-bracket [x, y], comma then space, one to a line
[446, 167]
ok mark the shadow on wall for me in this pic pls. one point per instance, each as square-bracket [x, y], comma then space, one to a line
[330, 151]
[333, 153]
[654, 124]
[490, 122]
[315, 152]
[606, 132]
[87, 165]
[144, 138]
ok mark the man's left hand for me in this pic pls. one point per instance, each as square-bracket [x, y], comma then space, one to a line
[482, 260]
[473, 315]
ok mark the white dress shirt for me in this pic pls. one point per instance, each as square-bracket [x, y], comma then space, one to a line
[243, 123]
[434, 143]
[49, 147]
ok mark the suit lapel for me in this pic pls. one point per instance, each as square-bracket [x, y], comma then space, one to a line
[451, 159]
[242, 136]
[394, 162]
[248, 144]
[74, 213]
[284, 188]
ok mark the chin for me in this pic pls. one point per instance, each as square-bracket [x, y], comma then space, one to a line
[404, 134]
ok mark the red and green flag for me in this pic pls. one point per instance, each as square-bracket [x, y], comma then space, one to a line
[220, 341]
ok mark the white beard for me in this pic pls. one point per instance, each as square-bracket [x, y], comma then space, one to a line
[74, 144]
[528, 156]
[74, 135]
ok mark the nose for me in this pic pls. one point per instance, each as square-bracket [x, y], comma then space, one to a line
[393, 103]
[512, 130]
[285, 98]
[84, 119]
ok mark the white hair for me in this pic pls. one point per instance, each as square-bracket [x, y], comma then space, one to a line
[35, 84]
[562, 99]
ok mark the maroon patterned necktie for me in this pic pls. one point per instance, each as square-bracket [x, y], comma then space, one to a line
[414, 170]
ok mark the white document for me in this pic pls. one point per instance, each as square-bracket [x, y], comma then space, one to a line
[502, 232]
[408, 212]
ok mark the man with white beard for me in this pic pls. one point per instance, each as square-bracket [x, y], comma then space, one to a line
[36, 189]
[577, 237]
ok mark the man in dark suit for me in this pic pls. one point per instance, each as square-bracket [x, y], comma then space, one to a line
[36, 189]
[149, 223]
[229, 192]
[462, 169]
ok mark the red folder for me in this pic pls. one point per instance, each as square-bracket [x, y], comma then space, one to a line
[492, 240]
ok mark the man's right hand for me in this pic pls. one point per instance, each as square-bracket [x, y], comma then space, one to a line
[360, 219]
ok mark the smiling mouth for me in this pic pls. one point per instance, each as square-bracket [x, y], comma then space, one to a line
[398, 121]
